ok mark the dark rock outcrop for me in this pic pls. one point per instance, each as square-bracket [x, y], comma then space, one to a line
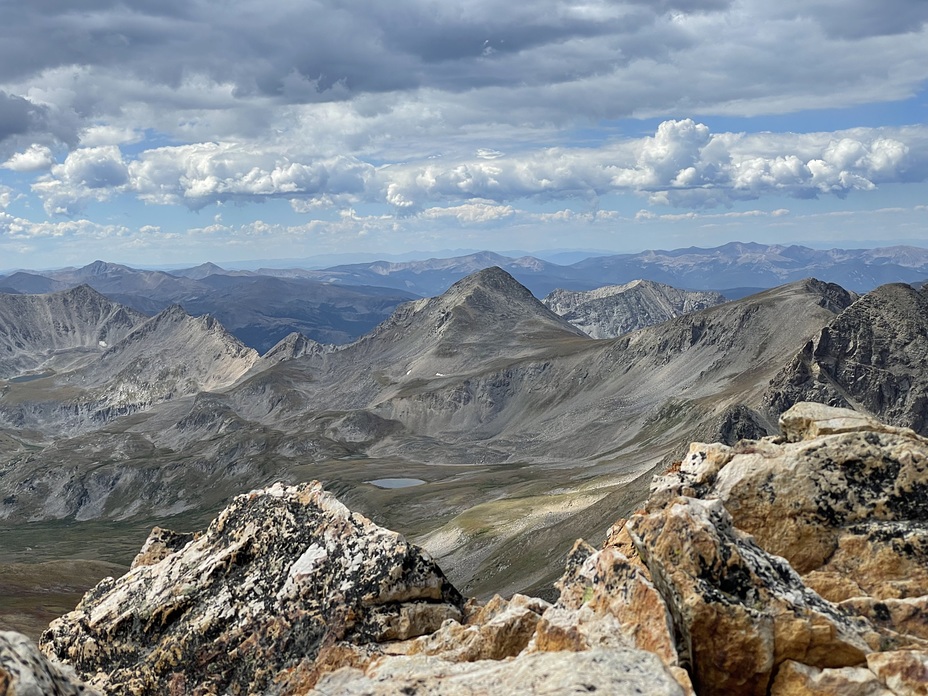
[871, 358]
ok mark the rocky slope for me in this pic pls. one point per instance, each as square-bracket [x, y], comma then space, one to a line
[787, 565]
[167, 357]
[258, 309]
[871, 357]
[613, 310]
[39, 332]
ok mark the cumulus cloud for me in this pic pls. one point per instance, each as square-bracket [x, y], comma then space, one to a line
[470, 213]
[17, 228]
[35, 158]
[683, 165]
[206, 173]
[94, 173]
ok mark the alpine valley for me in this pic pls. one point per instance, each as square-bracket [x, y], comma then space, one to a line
[441, 399]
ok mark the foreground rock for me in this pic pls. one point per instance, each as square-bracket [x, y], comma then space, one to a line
[596, 671]
[780, 566]
[841, 498]
[277, 576]
[24, 671]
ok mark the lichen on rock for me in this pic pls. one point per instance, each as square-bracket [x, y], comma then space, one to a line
[24, 671]
[277, 576]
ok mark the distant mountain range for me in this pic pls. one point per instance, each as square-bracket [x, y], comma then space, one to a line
[259, 310]
[734, 269]
[342, 303]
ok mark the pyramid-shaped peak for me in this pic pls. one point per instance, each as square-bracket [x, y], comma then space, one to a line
[98, 268]
[493, 279]
[204, 270]
[83, 291]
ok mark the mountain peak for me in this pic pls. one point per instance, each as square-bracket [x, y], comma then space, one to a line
[98, 268]
[480, 318]
[204, 270]
[493, 279]
[83, 291]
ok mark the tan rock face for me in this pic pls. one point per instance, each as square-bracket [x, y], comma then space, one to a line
[903, 671]
[741, 611]
[796, 679]
[845, 501]
[618, 671]
[277, 576]
[495, 631]
[606, 601]
[840, 498]
[808, 420]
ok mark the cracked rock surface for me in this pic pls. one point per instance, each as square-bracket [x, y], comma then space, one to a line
[278, 575]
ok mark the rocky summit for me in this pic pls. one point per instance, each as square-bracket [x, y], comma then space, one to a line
[793, 564]
[614, 310]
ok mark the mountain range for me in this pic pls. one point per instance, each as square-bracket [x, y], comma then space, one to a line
[734, 269]
[512, 431]
[258, 309]
[340, 304]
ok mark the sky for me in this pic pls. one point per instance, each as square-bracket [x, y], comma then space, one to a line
[181, 131]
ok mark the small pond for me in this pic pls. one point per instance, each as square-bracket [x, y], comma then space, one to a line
[29, 378]
[396, 482]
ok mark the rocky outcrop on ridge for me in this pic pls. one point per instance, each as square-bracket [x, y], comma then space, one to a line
[292, 346]
[871, 358]
[614, 310]
[280, 575]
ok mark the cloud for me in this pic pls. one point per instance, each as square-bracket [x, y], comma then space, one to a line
[35, 158]
[683, 165]
[470, 213]
[96, 136]
[14, 227]
[855, 19]
[195, 74]
[94, 173]
[207, 173]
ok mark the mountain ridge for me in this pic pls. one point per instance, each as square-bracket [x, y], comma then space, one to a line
[613, 310]
[34, 329]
